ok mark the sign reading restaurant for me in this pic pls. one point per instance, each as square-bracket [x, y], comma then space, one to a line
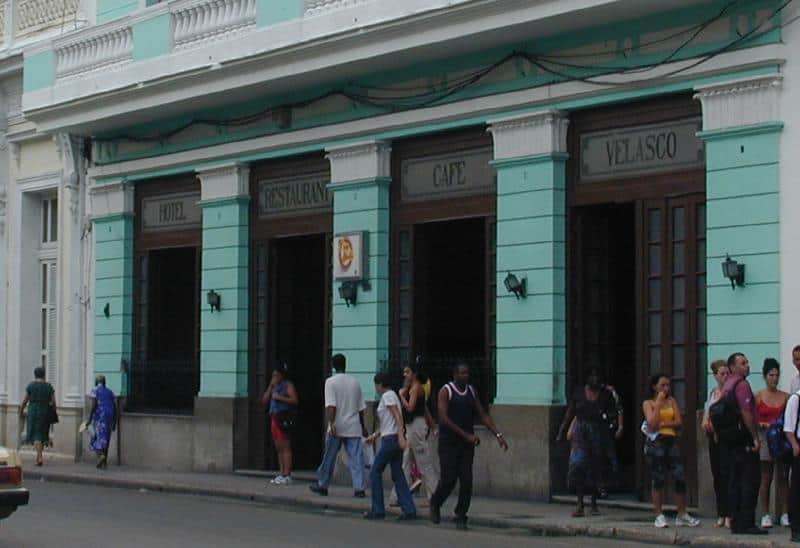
[171, 212]
[291, 196]
[447, 175]
[640, 150]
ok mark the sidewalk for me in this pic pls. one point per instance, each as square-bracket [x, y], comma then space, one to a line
[534, 518]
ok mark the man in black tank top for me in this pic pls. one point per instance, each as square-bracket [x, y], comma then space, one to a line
[458, 407]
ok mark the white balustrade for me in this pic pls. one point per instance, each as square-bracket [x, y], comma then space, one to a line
[2, 21]
[101, 50]
[315, 7]
[202, 21]
[33, 15]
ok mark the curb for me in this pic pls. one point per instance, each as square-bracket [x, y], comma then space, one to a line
[322, 504]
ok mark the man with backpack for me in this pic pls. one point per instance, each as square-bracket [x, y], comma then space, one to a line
[734, 419]
[790, 423]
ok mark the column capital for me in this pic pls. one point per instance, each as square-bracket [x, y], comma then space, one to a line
[115, 198]
[360, 161]
[740, 102]
[224, 181]
[529, 134]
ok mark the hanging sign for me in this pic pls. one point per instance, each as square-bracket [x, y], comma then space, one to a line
[291, 196]
[349, 256]
[641, 150]
[171, 212]
[447, 176]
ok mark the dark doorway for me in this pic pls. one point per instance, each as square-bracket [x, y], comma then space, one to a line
[603, 312]
[165, 375]
[297, 335]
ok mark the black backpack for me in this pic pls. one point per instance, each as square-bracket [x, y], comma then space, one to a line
[727, 419]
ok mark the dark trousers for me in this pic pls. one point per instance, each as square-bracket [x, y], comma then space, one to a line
[794, 497]
[455, 461]
[743, 484]
[719, 472]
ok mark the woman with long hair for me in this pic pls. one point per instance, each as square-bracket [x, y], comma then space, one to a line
[770, 403]
[418, 426]
[663, 416]
[281, 399]
[39, 398]
[719, 467]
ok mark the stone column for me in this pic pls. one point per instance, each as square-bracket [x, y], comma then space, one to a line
[112, 219]
[221, 406]
[360, 180]
[530, 156]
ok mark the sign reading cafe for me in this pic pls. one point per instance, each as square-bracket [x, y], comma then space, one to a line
[291, 196]
[447, 176]
[640, 150]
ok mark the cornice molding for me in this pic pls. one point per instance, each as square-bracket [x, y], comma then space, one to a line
[741, 102]
[111, 198]
[529, 134]
[360, 161]
[223, 181]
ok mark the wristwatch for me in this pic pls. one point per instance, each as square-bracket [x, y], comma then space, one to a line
[498, 435]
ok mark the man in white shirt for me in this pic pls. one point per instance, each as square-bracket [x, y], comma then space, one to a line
[790, 424]
[795, 384]
[344, 419]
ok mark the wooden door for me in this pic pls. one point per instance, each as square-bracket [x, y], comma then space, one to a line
[672, 309]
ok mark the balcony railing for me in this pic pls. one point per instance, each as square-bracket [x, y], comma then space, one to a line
[96, 51]
[314, 7]
[204, 20]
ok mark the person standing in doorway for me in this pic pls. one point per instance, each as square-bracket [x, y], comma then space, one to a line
[41, 397]
[393, 441]
[663, 416]
[770, 404]
[344, 417]
[790, 428]
[742, 446]
[281, 399]
[458, 407]
[103, 418]
[719, 470]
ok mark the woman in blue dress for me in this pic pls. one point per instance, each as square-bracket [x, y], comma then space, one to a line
[103, 418]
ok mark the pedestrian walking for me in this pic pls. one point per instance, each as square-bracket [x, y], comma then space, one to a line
[281, 399]
[790, 428]
[419, 424]
[40, 401]
[583, 471]
[393, 442]
[719, 471]
[103, 418]
[458, 407]
[770, 404]
[734, 420]
[344, 417]
[663, 416]
[600, 417]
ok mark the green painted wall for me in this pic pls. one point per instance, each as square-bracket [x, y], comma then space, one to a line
[271, 12]
[113, 336]
[224, 334]
[152, 37]
[361, 332]
[742, 196]
[113, 9]
[39, 71]
[531, 340]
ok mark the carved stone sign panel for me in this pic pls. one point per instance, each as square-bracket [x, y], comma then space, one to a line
[635, 151]
[291, 196]
[447, 176]
[171, 212]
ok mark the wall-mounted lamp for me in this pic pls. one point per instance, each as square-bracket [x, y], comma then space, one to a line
[107, 310]
[516, 286]
[733, 271]
[349, 291]
[214, 300]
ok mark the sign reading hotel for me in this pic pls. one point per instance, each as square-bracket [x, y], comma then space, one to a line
[171, 212]
[292, 196]
[349, 256]
[447, 176]
[640, 150]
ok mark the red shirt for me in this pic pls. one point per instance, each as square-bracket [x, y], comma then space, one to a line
[744, 394]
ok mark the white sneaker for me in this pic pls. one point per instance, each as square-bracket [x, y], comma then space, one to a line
[785, 520]
[686, 521]
[287, 480]
[661, 521]
[277, 480]
[766, 521]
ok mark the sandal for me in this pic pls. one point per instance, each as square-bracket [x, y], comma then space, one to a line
[595, 511]
[578, 513]
[720, 522]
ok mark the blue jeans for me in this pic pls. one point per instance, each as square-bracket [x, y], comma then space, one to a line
[355, 460]
[391, 454]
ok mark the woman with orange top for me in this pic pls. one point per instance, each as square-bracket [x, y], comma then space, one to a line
[770, 404]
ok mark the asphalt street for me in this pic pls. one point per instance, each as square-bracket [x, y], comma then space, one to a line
[66, 515]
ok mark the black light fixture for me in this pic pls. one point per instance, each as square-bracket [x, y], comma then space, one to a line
[214, 300]
[516, 286]
[348, 291]
[107, 310]
[733, 271]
